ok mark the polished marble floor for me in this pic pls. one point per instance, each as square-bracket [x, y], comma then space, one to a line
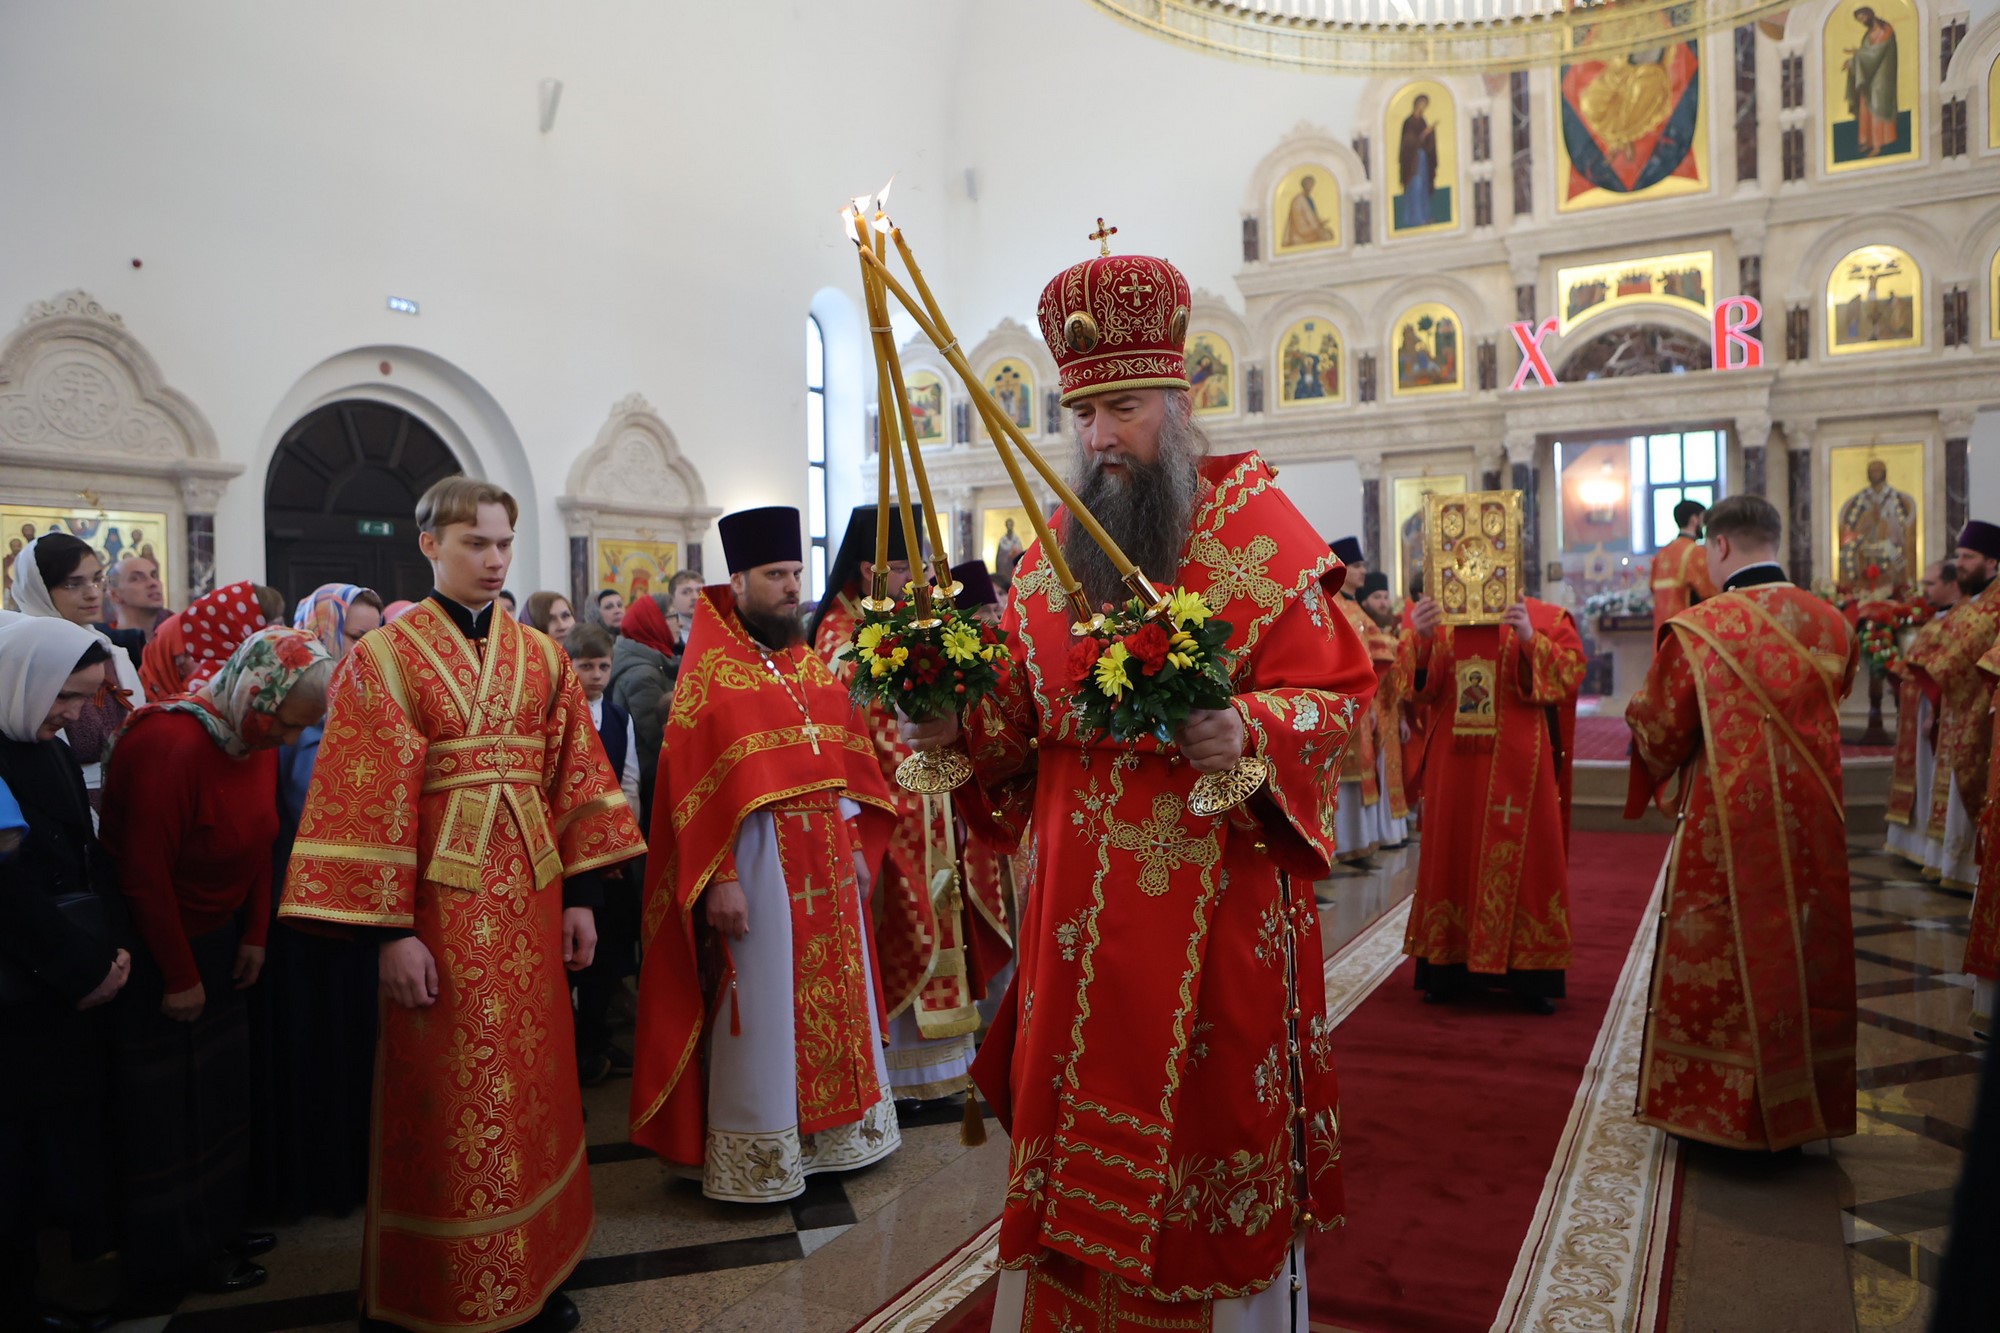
[666, 1259]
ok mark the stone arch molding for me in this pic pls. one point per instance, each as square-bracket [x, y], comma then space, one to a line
[79, 391]
[633, 483]
[83, 401]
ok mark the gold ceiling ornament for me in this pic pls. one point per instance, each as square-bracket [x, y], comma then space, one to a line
[1428, 36]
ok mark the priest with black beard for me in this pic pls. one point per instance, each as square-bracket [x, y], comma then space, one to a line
[759, 1058]
[1157, 1036]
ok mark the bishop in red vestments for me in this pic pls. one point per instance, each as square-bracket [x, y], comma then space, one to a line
[759, 1053]
[1979, 575]
[458, 809]
[1750, 1032]
[1946, 666]
[1163, 1061]
[1492, 901]
[921, 926]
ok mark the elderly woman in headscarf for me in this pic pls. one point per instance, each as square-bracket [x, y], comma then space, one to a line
[644, 663]
[191, 645]
[60, 960]
[59, 577]
[312, 1016]
[190, 812]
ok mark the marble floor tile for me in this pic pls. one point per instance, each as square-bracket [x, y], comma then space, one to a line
[671, 1305]
[640, 1207]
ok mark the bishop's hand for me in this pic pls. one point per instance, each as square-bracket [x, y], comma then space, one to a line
[935, 734]
[1212, 739]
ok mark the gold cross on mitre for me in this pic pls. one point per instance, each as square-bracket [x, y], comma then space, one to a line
[1103, 236]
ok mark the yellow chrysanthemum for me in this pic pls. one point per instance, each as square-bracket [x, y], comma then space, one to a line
[1182, 660]
[1112, 681]
[1186, 608]
[961, 644]
[869, 636]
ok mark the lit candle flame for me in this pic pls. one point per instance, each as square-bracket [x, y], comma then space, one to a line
[883, 225]
[882, 196]
[847, 221]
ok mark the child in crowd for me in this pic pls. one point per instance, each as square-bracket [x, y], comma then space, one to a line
[589, 648]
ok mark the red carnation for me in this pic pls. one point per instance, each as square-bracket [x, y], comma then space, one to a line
[1873, 571]
[1083, 655]
[1149, 645]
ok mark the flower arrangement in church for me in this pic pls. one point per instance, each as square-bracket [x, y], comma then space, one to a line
[1144, 669]
[1882, 628]
[926, 662]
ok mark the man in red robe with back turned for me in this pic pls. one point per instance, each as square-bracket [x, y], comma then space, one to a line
[1492, 901]
[459, 809]
[759, 1054]
[1750, 1034]
[1680, 568]
[1162, 1060]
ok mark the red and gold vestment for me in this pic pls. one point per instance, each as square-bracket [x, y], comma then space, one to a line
[1493, 878]
[1357, 762]
[457, 785]
[1750, 1038]
[1907, 805]
[754, 731]
[1392, 691]
[921, 916]
[1163, 1060]
[1680, 579]
[1982, 942]
[1947, 666]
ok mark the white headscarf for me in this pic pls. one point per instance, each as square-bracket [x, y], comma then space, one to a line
[37, 654]
[32, 596]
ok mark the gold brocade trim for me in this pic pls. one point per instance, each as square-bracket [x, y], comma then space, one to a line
[366, 853]
[413, 1323]
[485, 1226]
[774, 798]
[488, 777]
[612, 857]
[294, 910]
[1771, 710]
[611, 800]
[390, 666]
[759, 742]
[536, 745]
[1705, 1053]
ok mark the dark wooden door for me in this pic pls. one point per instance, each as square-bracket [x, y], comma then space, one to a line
[340, 500]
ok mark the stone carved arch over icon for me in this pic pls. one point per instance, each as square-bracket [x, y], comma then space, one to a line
[1305, 213]
[1211, 370]
[928, 408]
[1871, 56]
[1309, 363]
[1993, 298]
[1993, 104]
[1012, 384]
[1874, 301]
[1428, 346]
[1421, 129]
[1634, 124]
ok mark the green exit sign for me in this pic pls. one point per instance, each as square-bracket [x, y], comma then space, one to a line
[375, 527]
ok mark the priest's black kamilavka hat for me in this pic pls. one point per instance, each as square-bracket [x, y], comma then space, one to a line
[767, 536]
[1349, 550]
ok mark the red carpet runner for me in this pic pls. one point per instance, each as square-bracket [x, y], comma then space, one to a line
[1452, 1114]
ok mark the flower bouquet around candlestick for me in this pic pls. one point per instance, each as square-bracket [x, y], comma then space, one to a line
[1143, 670]
[926, 663]
[1881, 629]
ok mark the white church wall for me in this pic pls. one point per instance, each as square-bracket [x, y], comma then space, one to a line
[280, 171]
[1328, 493]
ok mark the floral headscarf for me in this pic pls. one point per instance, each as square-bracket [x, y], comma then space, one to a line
[215, 625]
[239, 703]
[323, 614]
[158, 669]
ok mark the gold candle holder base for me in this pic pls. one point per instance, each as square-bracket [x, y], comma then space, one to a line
[1218, 793]
[881, 605]
[935, 772]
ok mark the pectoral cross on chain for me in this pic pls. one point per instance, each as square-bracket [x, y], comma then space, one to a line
[1508, 810]
[812, 734]
[1103, 236]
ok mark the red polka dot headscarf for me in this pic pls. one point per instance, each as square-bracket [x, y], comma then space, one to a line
[215, 626]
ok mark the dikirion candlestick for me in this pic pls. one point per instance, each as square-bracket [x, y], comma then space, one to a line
[926, 314]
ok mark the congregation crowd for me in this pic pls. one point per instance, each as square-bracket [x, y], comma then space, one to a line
[298, 911]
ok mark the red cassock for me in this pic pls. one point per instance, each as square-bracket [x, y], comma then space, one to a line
[1750, 1033]
[1982, 944]
[755, 733]
[1493, 878]
[1162, 1059]
[1680, 579]
[458, 784]
[921, 919]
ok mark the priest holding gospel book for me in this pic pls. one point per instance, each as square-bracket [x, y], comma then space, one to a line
[1750, 1035]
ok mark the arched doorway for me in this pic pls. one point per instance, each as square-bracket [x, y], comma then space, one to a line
[339, 499]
